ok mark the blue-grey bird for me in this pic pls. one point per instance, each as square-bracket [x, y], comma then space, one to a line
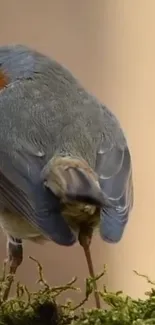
[65, 165]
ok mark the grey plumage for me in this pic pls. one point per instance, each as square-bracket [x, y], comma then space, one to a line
[46, 112]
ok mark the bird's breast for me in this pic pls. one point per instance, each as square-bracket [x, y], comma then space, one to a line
[18, 227]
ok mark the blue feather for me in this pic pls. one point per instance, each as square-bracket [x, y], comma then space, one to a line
[112, 224]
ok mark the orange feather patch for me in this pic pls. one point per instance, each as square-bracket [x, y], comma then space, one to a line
[3, 80]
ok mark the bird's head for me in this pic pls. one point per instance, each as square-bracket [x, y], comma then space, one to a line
[76, 184]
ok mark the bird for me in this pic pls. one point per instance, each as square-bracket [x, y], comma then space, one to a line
[65, 166]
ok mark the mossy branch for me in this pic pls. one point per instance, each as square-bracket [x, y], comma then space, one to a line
[42, 308]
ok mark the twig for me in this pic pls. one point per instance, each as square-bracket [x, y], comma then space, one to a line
[89, 289]
[19, 291]
[68, 286]
[9, 280]
[28, 297]
[57, 289]
[145, 277]
[40, 271]
[4, 271]
[80, 304]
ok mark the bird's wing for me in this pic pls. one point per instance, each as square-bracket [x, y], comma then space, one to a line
[113, 165]
[22, 192]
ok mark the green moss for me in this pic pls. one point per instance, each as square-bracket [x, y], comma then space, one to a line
[41, 308]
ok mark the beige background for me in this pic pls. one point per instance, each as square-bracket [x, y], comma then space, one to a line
[110, 46]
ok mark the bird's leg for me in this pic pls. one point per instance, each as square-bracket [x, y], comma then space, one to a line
[15, 254]
[85, 241]
[15, 257]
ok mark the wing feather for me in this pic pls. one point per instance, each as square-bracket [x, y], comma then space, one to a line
[22, 192]
[113, 165]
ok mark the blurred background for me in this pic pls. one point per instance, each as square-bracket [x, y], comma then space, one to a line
[110, 46]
